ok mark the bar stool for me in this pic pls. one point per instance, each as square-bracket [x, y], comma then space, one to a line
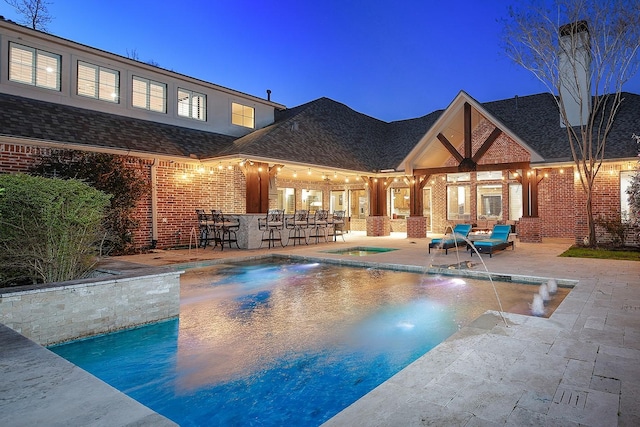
[337, 223]
[206, 232]
[270, 225]
[225, 229]
[318, 224]
[297, 226]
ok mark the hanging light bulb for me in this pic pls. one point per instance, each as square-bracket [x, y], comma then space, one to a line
[309, 171]
[295, 174]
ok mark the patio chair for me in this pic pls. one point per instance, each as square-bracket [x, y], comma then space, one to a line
[225, 228]
[337, 223]
[297, 226]
[456, 239]
[271, 225]
[498, 241]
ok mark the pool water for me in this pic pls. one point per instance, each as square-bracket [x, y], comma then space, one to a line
[360, 251]
[285, 343]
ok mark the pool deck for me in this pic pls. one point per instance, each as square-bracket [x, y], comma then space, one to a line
[580, 367]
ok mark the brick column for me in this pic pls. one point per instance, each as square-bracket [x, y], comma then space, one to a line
[530, 229]
[378, 226]
[416, 227]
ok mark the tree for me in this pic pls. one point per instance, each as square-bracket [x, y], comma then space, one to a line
[583, 51]
[35, 13]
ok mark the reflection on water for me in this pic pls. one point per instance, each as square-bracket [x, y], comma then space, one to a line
[286, 344]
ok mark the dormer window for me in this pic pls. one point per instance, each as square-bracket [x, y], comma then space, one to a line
[34, 67]
[98, 82]
[192, 104]
[149, 95]
[242, 115]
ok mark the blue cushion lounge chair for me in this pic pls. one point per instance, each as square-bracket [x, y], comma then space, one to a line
[456, 239]
[497, 241]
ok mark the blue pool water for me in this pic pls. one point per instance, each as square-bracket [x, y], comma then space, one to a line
[281, 343]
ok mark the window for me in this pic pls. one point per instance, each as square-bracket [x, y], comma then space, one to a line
[626, 178]
[489, 201]
[242, 115]
[312, 200]
[489, 176]
[149, 95]
[287, 200]
[515, 201]
[459, 202]
[426, 206]
[359, 204]
[459, 177]
[338, 201]
[399, 203]
[34, 67]
[192, 104]
[98, 82]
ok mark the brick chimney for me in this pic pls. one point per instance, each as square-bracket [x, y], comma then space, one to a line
[574, 61]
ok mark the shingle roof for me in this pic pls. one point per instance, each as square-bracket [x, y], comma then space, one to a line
[536, 120]
[29, 118]
[322, 132]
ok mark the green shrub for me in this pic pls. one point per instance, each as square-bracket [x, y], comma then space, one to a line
[50, 229]
[119, 176]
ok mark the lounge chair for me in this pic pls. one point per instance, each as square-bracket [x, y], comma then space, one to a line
[497, 241]
[456, 239]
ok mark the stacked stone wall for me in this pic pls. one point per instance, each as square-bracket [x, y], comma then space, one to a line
[70, 310]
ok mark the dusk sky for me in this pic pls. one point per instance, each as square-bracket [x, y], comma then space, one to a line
[391, 60]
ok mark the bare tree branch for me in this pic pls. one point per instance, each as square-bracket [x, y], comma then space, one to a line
[35, 13]
[584, 52]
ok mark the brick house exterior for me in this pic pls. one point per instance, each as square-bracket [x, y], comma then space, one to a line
[322, 146]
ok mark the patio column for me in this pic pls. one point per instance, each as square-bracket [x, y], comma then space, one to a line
[530, 225]
[417, 223]
[257, 178]
[378, 222]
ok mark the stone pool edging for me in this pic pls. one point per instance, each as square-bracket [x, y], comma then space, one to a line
[58, 312]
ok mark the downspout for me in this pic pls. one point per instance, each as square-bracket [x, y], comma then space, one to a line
[154, 203]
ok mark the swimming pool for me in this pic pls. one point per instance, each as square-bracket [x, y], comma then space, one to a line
[283, 342]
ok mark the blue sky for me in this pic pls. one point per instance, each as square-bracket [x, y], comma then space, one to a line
[392, 60]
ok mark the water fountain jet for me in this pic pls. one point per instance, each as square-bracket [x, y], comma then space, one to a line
[552, 285]
[544, 292]
[537, 307]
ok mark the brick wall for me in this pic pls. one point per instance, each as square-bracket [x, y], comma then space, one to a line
[183, 187]
[416, 227]
[378, 226]
[556, 200]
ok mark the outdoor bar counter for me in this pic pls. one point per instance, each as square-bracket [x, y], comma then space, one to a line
[249, 235]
